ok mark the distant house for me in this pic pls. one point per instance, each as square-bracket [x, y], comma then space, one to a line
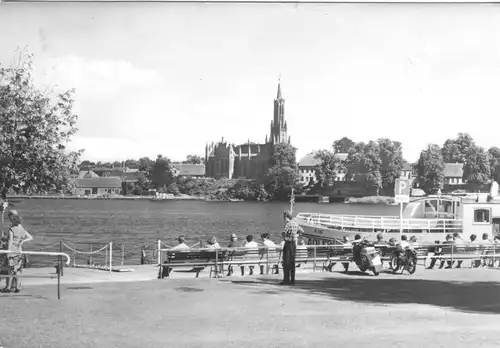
[307, 168]
[188, 170]
[87, 174]
[453, 173]
[406, 171]
[98, 186]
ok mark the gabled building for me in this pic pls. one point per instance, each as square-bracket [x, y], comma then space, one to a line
[98, 186]
[188, 170]
[307, 168]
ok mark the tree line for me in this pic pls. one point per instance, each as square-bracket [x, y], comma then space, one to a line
[378, 163]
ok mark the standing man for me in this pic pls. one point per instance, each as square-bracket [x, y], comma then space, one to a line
[290, 236]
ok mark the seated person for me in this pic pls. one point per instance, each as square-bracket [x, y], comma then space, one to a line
[249, 244]
[212, 243]
[271, 250]
[182, 244]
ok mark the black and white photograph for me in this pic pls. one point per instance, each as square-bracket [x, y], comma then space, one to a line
[249, 174]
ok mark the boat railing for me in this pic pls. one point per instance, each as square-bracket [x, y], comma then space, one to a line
[380, 223]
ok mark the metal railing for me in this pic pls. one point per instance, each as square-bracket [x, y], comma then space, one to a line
[59, 264]
[381, 223]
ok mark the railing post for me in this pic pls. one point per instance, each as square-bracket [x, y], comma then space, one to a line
[216, 263]
[158, 257]
[494, 253]
[110, 257]
[314, 258]
[452, 249]
[90, 257]
[123, 254]
[267, 261]
[59, 267]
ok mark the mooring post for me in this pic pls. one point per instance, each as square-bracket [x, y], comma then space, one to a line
[110, 257]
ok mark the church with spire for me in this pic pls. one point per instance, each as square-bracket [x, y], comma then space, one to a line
[249, 160]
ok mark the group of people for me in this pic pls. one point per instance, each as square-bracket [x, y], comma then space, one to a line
[290, 243]
[12, 263]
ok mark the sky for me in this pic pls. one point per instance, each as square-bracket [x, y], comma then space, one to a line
[160, 78]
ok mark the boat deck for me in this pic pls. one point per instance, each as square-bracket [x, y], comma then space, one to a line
[373, 223]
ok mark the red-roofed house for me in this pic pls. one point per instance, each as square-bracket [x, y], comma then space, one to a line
[98, 186]
[188, 170]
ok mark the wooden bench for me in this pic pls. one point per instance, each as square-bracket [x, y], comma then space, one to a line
[190, 260]
[450, 253]
[251, 257]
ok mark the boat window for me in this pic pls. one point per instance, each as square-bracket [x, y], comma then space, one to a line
[431, 206]
[482, 216]
[447, 206]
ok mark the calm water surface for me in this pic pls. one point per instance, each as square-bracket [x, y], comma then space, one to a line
[86, 224]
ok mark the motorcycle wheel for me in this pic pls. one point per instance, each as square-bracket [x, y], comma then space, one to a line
[364, 261]
[375, 272]
[412, 266]
[393, 262]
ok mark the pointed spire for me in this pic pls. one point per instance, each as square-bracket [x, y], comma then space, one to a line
[279, 88]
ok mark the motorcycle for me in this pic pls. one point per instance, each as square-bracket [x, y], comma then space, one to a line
[404, 260]
[367, 257]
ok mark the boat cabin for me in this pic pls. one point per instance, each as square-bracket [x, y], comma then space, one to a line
[479, 213]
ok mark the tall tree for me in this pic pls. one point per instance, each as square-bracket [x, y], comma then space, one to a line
[477, 168]
[364, 164]
[494, 153]
[161, 174]
[391, 156]
[431, 169]
[343, 145]
[132, 163]
[145, 164]
[282, 174]
[329, 167]
[194, 159]
[37, 126]
[455, 150]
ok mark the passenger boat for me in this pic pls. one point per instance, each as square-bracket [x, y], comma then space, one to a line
[429, 218]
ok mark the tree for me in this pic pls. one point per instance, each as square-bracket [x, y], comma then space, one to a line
[161, 175]
[117, 164]
[431, 169]
[343, 145]
[329, 167]
[145, 164]
[37, 126]
[131, 163]
[391, 156]
[364, 164]
[494, 153]
[477, 168]
[455, 150]
[282, 175]
[194, 159]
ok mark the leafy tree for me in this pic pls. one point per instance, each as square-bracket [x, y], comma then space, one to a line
[494, 153]
[343, 145]
[364, 164]
[117, 164]
[37, 125]
[391, 155]
[329, 167]
[145, 164]
[477, 168]
[131, 163]
[455, 150]
[173, 189]
[431, 169]
[194, 159]
[161, 175]
[282, 174]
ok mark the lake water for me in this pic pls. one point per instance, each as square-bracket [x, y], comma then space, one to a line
[86, 224]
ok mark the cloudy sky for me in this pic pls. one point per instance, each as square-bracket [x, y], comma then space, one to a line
[158, 78]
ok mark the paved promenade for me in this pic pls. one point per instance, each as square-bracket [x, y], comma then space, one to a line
[438, 308]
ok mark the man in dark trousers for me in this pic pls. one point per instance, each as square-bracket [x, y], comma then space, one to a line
[290, 236]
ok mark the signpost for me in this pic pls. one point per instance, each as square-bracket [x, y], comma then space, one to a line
[402, 195]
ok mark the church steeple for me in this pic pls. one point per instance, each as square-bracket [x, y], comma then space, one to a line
[278, 124]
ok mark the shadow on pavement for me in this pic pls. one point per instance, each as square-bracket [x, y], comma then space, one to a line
[481, 296]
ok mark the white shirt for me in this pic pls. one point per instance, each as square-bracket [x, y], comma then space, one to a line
[251, 244]
[213, 246]
[404, 244]
[181, 246]
[269, 243]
